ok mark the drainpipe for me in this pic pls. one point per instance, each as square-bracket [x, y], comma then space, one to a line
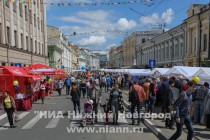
[184, 46]
[199, 40]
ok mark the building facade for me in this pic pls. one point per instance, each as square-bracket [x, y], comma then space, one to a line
[132, 42]
[67, 57]
[103, 58]
[198, 35]
[75, 57]
[168, 49]
[23, 34]
[56, 45]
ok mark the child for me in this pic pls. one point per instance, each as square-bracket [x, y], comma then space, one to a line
[106, 107]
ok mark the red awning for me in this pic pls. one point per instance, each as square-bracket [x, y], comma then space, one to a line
[38, 66]
[16, 71]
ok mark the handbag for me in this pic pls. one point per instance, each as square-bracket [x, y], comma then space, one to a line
[16, 117]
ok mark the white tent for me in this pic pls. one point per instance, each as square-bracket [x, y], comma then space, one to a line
[143, 72]
[186, 72]
[203, 74]
[159, 71]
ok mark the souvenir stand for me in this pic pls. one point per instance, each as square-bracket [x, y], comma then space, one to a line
[16, 81]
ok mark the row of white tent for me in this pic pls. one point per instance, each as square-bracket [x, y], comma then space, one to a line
[186, 72]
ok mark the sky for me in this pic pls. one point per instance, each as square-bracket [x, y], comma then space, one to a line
[101, 27]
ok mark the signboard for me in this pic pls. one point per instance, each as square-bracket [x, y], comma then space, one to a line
[152, 63]
[62, 67]
[18, 65]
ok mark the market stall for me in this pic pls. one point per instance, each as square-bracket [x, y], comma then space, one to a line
[159, 71]
[18, 83]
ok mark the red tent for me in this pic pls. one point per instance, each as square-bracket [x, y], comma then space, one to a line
[38, 66]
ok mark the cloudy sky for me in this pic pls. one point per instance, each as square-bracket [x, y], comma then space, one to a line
[100, 27]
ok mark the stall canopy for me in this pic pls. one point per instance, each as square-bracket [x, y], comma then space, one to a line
[15, 71]
[143, 72]
[38, 66]
[159, 71]
[185, 72]
[203, 74]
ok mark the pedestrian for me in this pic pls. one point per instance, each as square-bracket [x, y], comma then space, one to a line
[67, 83]
[83, 88]
[108, 83]
[168, 102]
[75, 93]
[207, 108]
[136, 97]
[152, 97]
[103, 82]
[182, 107]
[106, 107]
[198, 98]
[115, 100]
[96, 98]
[42, 91]
[9, 107]
[59, 86]
[147, 93]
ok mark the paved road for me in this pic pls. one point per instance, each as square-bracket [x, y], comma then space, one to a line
[33, 127]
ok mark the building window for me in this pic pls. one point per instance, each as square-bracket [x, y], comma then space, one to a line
[167, 52]
[181, 49]
[8, 35]
[0, 35]
[159, 54]
[21, 9]
[27, 44]
[43, 50]
[31, 46]
[15, 38]
[194, 44]
[3, 64]
[41, 26]
[21, 43]
[38, 23]
[26, 13]
[11, 64]
[39, 48]
[14, 6]
[30, 14]
[176, 51]
[205, 42]
[163, 54]
[35, 47]
[34, 20]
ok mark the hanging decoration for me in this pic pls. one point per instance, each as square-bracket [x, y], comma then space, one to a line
[79, 3]
[89, 33]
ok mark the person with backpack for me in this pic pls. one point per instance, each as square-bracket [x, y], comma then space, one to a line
[42, 91]
[198, 98]
[9, 107]
[136, 97]
[68, 85]
[207, 107]
[182, 107]
[75, 93]
[83, 88]
[152, 98]
[108, 83]
[147, 92]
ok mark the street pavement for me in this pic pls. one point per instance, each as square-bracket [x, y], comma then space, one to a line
[33, 127]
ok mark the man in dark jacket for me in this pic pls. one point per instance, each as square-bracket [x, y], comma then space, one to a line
[168, 100]
[182, 107]
[75, 93]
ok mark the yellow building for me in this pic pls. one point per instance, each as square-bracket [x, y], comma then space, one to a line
[197, 33]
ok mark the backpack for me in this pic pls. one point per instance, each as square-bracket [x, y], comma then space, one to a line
[133, 97]
[68, 82]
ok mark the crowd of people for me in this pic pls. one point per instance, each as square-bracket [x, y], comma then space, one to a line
[186, 101]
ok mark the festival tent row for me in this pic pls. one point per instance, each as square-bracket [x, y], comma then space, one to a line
[23, 83]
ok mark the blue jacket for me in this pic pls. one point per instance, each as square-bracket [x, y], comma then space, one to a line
[108, 80]
[182, 104]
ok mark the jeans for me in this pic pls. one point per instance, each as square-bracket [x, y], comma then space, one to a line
[10, 116]
[107, 87]
[151, 106]
[179, 126]
[199, 108]
[67, 90]
[133, 106]
[59, 91]
[76, 105]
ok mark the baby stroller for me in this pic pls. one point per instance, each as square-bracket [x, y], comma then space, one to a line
[88, 114]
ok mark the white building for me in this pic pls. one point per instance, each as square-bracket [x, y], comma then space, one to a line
[67, 58]
[23, 33]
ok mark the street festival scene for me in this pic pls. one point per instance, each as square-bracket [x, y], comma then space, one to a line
[105, 69]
